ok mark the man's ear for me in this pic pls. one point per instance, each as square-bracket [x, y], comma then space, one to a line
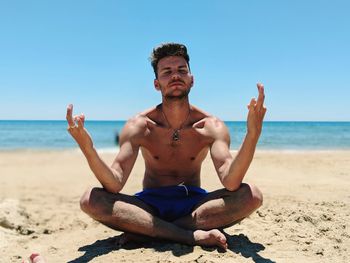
[192, 80]
[156, 84]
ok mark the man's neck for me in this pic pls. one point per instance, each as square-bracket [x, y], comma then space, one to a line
[176, 112]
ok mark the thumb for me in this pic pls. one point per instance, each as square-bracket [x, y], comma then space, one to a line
[199, 127]
[199, 124]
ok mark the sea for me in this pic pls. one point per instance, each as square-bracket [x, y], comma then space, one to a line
[276, 135]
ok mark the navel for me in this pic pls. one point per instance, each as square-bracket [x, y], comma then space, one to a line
[192, 158]
[156, 157]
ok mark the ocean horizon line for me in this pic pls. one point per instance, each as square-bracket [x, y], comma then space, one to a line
[290, 135]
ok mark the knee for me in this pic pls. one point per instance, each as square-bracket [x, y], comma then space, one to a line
[89, 200]
[257, 196]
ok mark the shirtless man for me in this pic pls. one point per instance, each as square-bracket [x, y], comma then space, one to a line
[174, 138]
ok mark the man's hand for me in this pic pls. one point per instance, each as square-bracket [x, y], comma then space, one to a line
[256, 114]
[78, 132]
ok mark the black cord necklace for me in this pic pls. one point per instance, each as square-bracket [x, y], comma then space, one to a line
[176, 132]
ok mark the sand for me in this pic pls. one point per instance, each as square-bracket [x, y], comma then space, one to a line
[305, 216]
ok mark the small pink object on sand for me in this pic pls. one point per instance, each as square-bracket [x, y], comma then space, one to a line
[36, 258]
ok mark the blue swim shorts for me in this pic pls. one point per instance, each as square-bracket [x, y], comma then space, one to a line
[172, 202]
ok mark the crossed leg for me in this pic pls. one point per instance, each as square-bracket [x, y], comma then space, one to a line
[222, 208]
[219, 209]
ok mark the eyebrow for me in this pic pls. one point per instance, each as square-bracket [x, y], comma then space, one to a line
[179, 67]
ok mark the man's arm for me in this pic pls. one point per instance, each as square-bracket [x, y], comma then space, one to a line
[231, 170]
[112, 178]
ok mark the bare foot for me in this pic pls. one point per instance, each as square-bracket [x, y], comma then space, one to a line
[210, 238]
[131, 237]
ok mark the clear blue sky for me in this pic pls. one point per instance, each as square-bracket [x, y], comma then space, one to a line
[94, 54]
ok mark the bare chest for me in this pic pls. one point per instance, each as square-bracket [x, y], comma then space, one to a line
[167, 147]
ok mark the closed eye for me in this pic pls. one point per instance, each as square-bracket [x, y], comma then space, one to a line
[165, 73]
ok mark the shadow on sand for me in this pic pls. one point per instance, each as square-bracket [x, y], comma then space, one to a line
[105, 246]
[98, 248]
[238, 244]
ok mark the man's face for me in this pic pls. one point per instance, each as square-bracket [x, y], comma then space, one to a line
[174, 77]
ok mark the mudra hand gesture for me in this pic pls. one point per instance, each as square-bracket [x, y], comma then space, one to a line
[256, 113]
[77, 130]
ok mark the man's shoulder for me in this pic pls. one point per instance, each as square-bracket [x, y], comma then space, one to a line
[148, 113]
[216, 123]
[207, 118]
[199, 113]
[139, 123]
[134, 127]
[213, 127]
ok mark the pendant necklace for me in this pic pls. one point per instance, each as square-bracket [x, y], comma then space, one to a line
[176, 133]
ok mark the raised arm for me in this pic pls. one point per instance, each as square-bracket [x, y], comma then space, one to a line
[231, 171]
[112, 178]
[130, 136]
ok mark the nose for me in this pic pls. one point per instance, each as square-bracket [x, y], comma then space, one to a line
[175, 76]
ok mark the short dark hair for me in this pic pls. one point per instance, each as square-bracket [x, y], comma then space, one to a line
[165, 50]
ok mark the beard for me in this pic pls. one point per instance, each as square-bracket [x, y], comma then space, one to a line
[179, 96]
[183, 94]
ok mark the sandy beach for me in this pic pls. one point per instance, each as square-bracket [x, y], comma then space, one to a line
[305, 216]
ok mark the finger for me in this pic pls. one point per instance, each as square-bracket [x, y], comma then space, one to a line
[199, 127]
[69, 115]
[75, 119]
[80, 122]
[199, 124]
[261, 96]
[251, 105]
[82, 117]
[263, 112]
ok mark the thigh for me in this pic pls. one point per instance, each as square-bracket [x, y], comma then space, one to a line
[225, 195]
[106, 200]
